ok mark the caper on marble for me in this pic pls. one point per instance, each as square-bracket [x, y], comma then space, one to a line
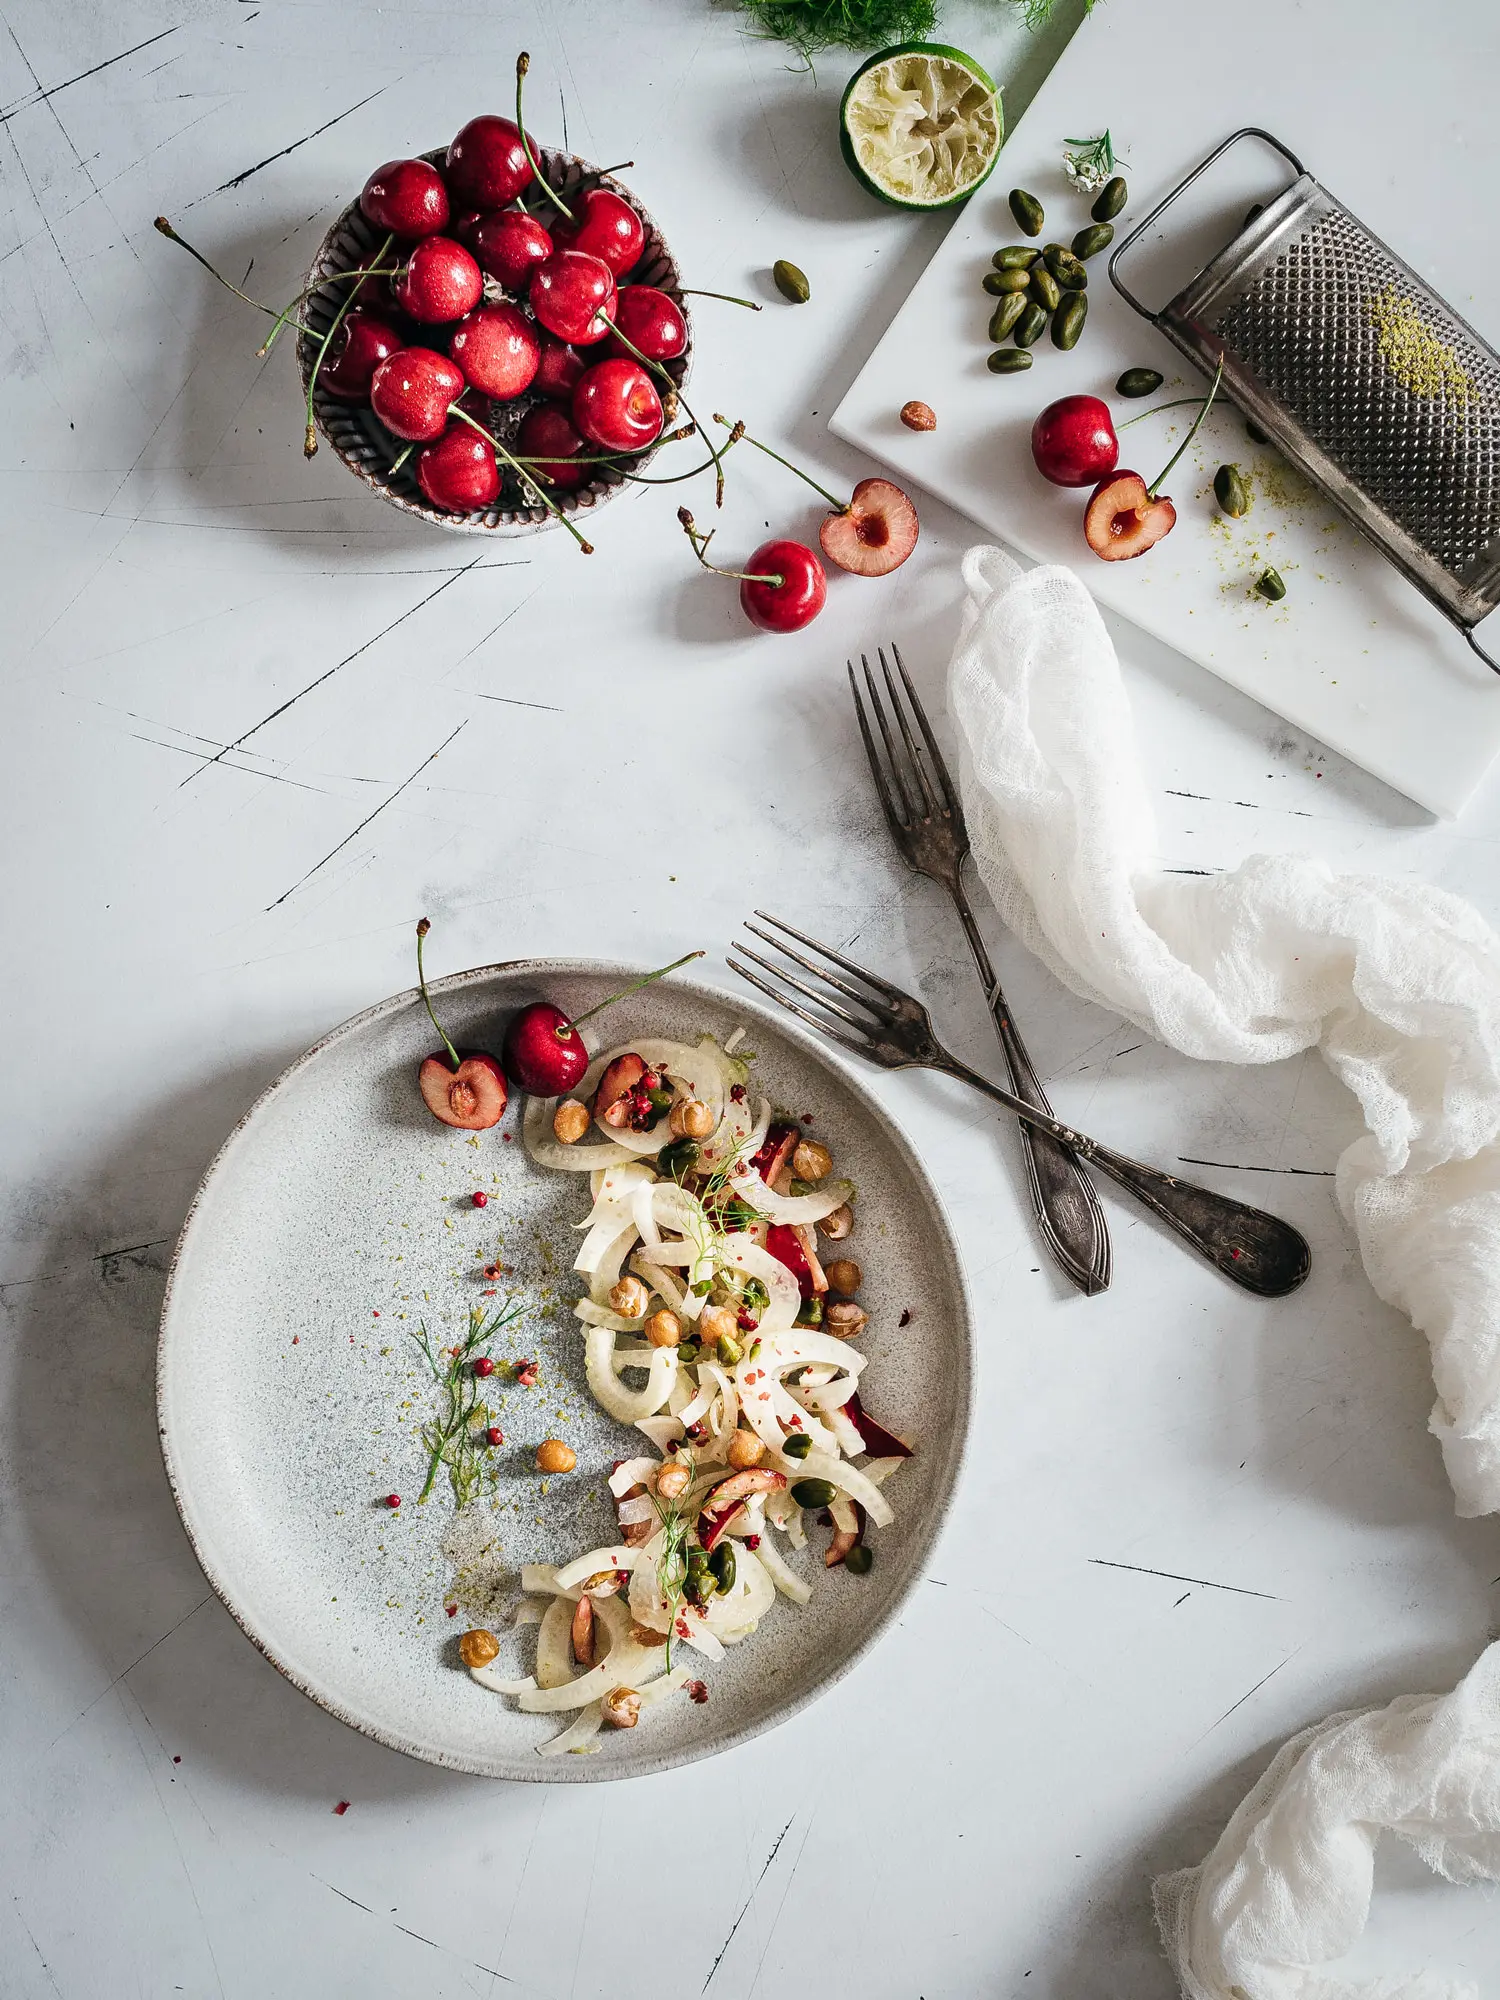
[1028, 211]
[1138, 382]
[1009, 360]
[1009, 281]
[1031, 326]
[1044, 288]
[1015, 257]
[1270, 586]
[1110, 199]
[1065, 267]
[1232, 491]
[1089, 242]
[790, 282]
[1005, 315]
[994, 283]
[1067, 321]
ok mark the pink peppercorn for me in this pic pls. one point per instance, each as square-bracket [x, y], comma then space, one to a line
[494, 1435]
[484, 1365]
[479, 1198]
[393, 1499]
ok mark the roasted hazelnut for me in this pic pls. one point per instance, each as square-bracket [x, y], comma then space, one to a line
[811, 1161]
[690, 1119]
[845, 1319]
[621, 1708]
[716, 1323]
[663, 1329]
[838, 1223]
[552, 1455]
[672, 1479]
[478, 1648]
[843, 1275]
[630, 1298]
[745, 1450]
[570, 1121]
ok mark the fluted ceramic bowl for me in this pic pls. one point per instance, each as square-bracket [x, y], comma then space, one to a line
[368, 449]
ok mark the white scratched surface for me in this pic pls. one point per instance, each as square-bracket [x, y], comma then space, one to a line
[1191, 1523]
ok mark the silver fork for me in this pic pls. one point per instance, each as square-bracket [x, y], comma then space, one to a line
[1260, 1252]
[927, 824]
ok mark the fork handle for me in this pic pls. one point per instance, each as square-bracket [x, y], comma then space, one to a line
[1257, 1251]
[1068, 1209]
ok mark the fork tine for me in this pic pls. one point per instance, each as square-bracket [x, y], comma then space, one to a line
[881, 1013]
[808, 992]
[791, 1007]
[892, 761]
[939, 763]
[929, 798]
[877, 769]
[882, 986]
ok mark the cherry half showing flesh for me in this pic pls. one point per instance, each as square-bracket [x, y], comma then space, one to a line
[543, 1050]
[875, 533]
[464, 1089]
[1125, 516]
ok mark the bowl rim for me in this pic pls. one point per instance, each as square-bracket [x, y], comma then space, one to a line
[582, 501]
[666, 1756]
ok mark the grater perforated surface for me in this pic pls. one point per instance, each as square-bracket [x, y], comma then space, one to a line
[1308, 325]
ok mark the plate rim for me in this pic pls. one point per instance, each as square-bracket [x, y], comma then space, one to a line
[668, 1756]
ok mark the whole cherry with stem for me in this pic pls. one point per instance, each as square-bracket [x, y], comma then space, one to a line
[523, 63]
[783, 589]
[543, 1050]
[1125, 516]
[869, 534]
[467, 1090]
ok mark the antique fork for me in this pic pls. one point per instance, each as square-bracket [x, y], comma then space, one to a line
[927, 824]
[1256, 1250]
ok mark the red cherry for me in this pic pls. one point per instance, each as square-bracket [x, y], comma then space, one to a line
[509, 246]
[1123, 520]
[441, 282]
[464, 224]
[874, 534]
[616, 406]
[651, 322]
[1073, 441]
[487, 164]
[573, 295]
[606, 227]
[494, 1435]
[497, 349]
[410, 392]
[459, 472]
[406, 197]
[558, 370]
[357, 350]
[543, 1052]
[473, 1097]
[479, 1198]
[484, 1365]
[546, 434]
[797, 595]
[393, 1499]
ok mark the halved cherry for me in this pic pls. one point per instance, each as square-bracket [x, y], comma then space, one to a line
[463, 1089]
[1123, 519]
[612, 1098]
[875, 533]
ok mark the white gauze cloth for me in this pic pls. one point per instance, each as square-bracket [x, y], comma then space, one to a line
[1398, 986]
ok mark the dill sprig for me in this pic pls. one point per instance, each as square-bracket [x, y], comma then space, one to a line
[452, 1437]
[1088, 163]
[672, 1563]
[810, 25]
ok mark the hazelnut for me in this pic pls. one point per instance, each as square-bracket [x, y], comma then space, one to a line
[663, 1329]
[622, 1708]
[838, 1223]
[811, 1161]
[672, 1479]
[570, 1121]
[918, 417]
[716, 1323]
[845, 1319]
[605, 1582]
[843, 1275]
[478, 1648]
[583, 1632]
[644, 1635]
[630, 1298]
[746, 1449]
[690, 1119]
[552, 1455]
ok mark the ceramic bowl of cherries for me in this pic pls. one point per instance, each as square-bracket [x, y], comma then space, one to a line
[514, 354]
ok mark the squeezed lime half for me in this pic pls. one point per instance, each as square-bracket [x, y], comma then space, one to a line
[921, 125]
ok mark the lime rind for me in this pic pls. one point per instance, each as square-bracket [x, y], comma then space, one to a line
[921, 125]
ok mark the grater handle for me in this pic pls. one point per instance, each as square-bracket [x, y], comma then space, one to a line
[1489, 660]
[1245, 132]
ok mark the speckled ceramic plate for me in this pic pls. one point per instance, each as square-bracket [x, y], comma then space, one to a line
[336, 1218]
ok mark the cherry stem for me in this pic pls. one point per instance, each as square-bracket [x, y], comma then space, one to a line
[1177, 403]
[615, 458]
[422, 929]
[526, 479]
[284, 317]
[700, 542]
[310, 435]
[667, 377]
[564, 1032]
[182, 243]
[1208, 402]
[523, 63]
[692, 292]
[838, 506]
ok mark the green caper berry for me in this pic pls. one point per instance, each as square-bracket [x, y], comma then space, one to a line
[1045, 289]
[1139, 382]
[1089, 242]
[797, 1447]
[1007, 281]
[813, 1492]
[1005, 315]
[991, 282]
[681, 1157]
[1110, 200]
[1231, 491]
[1067, 321]
[687, 1351]
[721, 1562]
[859, 1560]
[1270, 586]
[790, 282]
[1015, 257]
[1009, 360]
[1065, 267]
[1028, 211]
[1031, 326]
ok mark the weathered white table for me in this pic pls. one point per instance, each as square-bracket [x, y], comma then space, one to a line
[1191, 1523]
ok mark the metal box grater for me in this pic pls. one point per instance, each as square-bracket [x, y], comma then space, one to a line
[1360, 375]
